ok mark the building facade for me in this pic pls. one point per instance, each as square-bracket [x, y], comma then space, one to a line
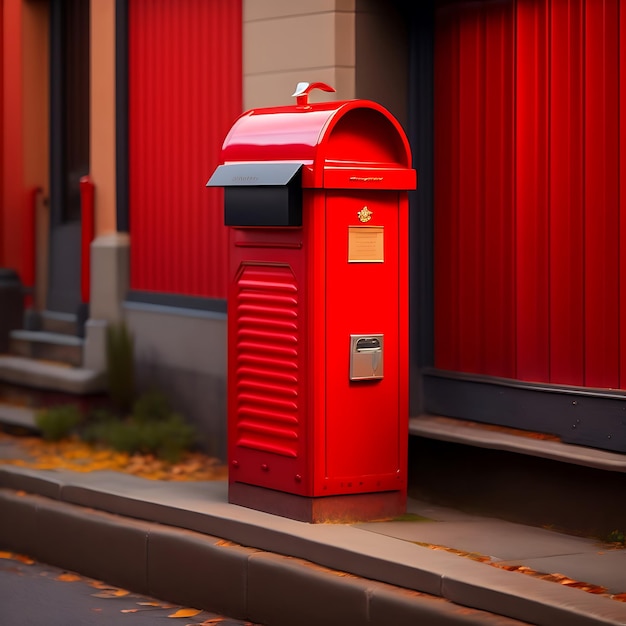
[514, 113]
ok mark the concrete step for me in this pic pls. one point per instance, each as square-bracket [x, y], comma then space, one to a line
[34, 398]
[19, 417]
[57, 377]
[47, 346]
[62, 323]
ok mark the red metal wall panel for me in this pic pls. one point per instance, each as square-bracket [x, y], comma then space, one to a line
[528, 246]
[601, 278]
[498, 246]
[531, 197]
[566, 193]
[622, 196]
[2, 131]
[185, 70]
[471, 214]
[14, 196]
[473, 180]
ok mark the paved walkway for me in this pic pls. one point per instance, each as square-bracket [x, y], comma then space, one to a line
[183, 541]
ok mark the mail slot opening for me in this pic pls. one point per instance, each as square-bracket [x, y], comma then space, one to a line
[367, 343]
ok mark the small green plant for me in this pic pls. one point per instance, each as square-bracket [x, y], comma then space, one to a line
[95, 423]
[171, 437]
[167, 439]
[152, 428]
[56, 423]
[152, 406]
[617, 536]
[120, 354]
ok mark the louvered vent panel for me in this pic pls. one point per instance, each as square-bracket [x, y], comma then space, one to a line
[267, 360]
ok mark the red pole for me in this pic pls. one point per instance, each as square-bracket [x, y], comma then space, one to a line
[87, 233]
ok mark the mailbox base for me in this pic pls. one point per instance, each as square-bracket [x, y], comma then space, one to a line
[361, 507]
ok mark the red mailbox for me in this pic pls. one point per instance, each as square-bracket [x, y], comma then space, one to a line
[316, 195]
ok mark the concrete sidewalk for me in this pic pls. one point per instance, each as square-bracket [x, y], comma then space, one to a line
[182, 541]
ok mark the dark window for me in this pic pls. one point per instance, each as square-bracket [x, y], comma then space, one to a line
[70, 105]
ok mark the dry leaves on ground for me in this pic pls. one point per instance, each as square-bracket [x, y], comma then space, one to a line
[185, 613]
[474, 556]
[522, 569]
[26, 560]
[77, 456]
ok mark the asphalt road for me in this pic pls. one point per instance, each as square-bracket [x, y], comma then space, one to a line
[34, 594]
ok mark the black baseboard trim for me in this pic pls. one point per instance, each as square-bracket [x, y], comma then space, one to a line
[589, 417]
[212, 305]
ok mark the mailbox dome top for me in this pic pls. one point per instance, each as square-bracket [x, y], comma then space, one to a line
[345, 134]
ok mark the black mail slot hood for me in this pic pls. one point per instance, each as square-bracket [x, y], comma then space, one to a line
[260, 194]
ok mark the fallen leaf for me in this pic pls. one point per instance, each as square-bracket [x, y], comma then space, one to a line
[186, 613]
[99, 584]
[111, 593]
[549, 577]
[508, 568]
[24, 559]
[588, 587]
[620, 597]
[16, 557]
[77, 456]
[67, 578]
[147, 606]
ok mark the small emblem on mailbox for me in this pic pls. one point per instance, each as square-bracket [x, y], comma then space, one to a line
[365, 215]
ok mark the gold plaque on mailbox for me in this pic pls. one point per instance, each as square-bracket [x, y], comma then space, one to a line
[366, 244]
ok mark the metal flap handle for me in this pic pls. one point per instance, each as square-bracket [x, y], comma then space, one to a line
[303, 89]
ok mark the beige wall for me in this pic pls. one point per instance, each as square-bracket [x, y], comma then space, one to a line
[286, 42]
[102, 157]
[357, 46]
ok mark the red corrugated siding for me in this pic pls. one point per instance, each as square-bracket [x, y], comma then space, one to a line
[185, 76]
[566, 193]
[601, 280]
[474, 246]
[622, 197]
[528, 237]
[2, 131]
[14, 196]
[531, 192]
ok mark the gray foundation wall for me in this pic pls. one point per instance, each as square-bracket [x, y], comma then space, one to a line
[182, 352]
